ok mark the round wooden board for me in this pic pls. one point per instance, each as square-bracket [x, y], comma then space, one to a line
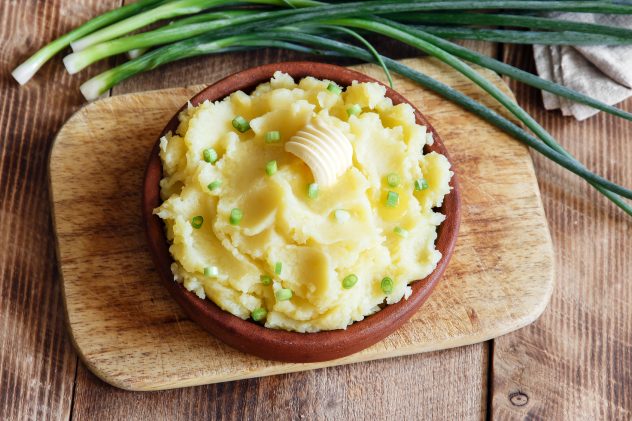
[130, 332]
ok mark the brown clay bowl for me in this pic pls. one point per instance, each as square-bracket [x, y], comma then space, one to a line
[250, 337]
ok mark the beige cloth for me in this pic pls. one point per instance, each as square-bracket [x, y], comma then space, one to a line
[602, 72]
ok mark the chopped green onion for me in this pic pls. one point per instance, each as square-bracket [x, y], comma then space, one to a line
[210, 155]
[421, 184]
[342, 215]
[387, 285]
[355, 109]
[271, 167]
[197, 221]
[312, 190]
[266, 279]
[349, 281]
[273, 136]
[278, 266]
[392, 180]
[401, 232]
[258, 314]
[214, 185]
[334, 89]
[236, 215]
[211, 271]
[283, 294]
[241, 124]
[392, 199]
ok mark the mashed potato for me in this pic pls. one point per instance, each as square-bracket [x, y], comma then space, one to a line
[258, 245]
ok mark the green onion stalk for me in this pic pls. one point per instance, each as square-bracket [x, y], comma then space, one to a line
[25, 71]
[193, 47]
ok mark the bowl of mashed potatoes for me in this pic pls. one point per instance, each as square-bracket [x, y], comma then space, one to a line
[300, 211]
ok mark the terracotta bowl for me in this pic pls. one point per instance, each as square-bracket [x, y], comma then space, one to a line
[250, 337]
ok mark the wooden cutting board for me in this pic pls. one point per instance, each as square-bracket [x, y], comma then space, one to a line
[131, 334]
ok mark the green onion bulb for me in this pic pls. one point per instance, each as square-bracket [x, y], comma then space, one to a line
[241, 124]
[197, 221]
[283, 294]
[349, 281]
[236, 215]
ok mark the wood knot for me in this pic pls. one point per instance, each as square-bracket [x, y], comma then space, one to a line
[518, 399]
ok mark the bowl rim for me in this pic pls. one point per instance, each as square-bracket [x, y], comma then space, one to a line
[282, 345]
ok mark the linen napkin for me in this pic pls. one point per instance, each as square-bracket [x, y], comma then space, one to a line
[602, 72]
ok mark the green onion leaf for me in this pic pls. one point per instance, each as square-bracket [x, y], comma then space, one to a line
[392, 199]
[211, 271]
[283, 294]
[349, 281]
[273, 136]
[312, 190]
[266, 279]
[278, 266]
[355, 109]
[421, 184]
[236, 216]
[210, 155]
[271, 167]
[401, 232]
[214, 185]
[259, 314]
[241, 124]
[197, 221]
[392, 180]
[334, 89]
[387, 285]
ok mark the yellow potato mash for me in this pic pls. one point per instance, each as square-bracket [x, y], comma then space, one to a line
[251, 231]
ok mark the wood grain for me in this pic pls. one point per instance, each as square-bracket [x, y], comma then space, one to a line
[130, 332]
[37, 363]
[574, 362]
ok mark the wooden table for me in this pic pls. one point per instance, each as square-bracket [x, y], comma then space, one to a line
[575, 362]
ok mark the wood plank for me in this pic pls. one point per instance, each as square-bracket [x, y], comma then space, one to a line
[574, 362]
[37, 363]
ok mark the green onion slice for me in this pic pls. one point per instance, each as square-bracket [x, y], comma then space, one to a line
[197, 221]
[210, 155]
[273, 136]
[392, 199]
[387, 285]
[259, 314]
[236, 216]
[271, 167]
[349, 281]
[334, 89]
[401, 232]
[283, 294]
[312, 190]
[214, 185]
[211, 271]
[355, 109]
[421, 184]
[266, 279]
[241, 124]
[392, 180]
[278, 267]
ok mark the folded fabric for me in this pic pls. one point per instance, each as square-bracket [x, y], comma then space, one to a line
[602, 72]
